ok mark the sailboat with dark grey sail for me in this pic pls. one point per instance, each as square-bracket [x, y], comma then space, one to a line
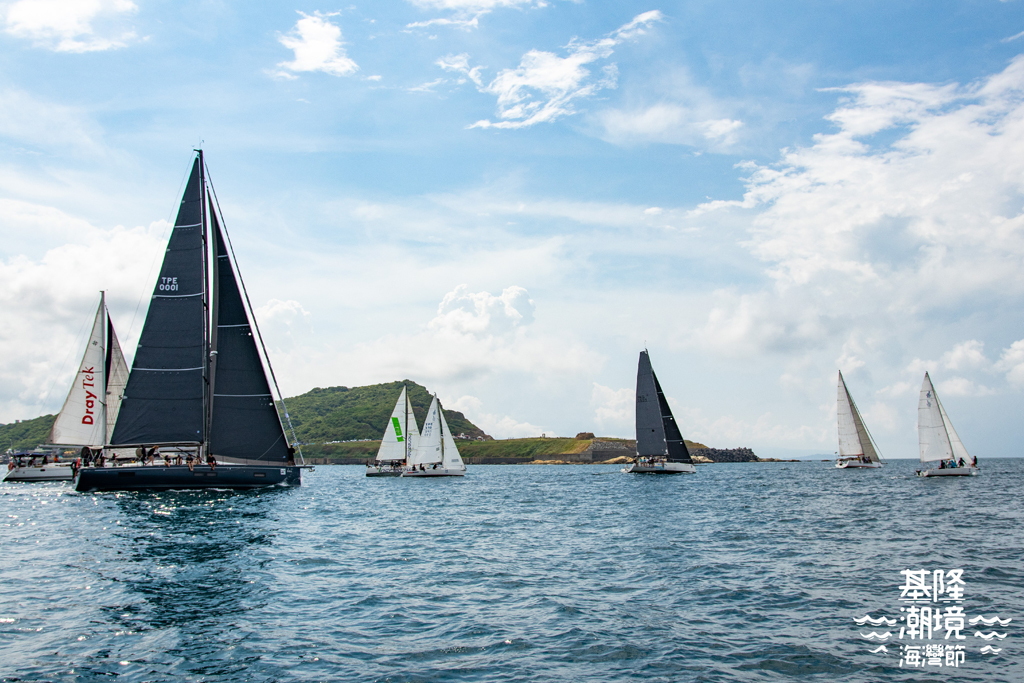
[660, 448]
[198, 390]
[856, 447]
[87, 416]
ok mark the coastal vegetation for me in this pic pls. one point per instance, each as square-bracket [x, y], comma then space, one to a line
[25, 434]
[339, 414]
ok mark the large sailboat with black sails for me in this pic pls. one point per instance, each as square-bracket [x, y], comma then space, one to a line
[87, 417]
[940, 445]
[660, 448]
[399, 442]
[198, 396]
[856, 447]
[436, 455]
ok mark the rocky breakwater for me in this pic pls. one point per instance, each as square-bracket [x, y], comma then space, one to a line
[724, 454]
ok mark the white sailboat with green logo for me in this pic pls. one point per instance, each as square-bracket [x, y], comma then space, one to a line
[942, 451]
[399, 443]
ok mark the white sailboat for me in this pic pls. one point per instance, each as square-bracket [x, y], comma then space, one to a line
[939, 442]
[660, 448]
[91, 407]
[856, 447]
[401, 437]
[437, 454]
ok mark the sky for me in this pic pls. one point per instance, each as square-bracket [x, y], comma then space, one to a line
[507, 200]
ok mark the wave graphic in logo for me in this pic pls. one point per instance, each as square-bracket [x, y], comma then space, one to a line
[881, 648]
[873, 635]
[988, 649]
[880, 620]
[989, 622]
[990, 635]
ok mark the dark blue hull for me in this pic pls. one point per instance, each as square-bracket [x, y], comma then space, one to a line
[159, 477]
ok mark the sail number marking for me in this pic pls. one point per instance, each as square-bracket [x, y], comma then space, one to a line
[168, 284]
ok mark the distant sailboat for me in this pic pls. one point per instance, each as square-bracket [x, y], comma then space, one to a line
[401, 436]
[660, 448]
[939, 442]
[198, 387]
[90, 409]
[437, 454]
[856, 447]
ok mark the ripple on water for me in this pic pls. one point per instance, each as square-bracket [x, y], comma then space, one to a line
[742, 572]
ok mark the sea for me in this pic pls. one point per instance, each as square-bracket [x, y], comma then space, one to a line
[740, 572]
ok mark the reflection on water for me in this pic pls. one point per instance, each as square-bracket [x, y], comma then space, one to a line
[745, 572]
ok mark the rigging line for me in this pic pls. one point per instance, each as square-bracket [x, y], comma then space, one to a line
[255, 323]
[184, 178]
[71, 349]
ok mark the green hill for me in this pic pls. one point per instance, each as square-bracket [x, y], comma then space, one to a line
[350, 413]
[25, 434]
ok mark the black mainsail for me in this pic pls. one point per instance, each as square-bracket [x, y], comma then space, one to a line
[164, 401]
[657, 433]
[198, 378]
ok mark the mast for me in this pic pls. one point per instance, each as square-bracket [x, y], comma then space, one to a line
[105, 350]
[405, 392]
[207, 350]
[440, 426]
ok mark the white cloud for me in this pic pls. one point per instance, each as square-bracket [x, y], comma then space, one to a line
[613, 408]
[480, 313]
[460, 64]
[30, 121]
[71, 25]
[544, 87]
[39, 351]
[869, 234]
[1012, 363]
[668, 123]
[318, 47]
[498, 426]
[466, 13]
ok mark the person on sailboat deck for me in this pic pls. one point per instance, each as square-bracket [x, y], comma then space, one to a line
[211, 461]
[291, 456]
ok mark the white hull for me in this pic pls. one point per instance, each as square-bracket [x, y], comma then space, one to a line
[439, 472]
[949, 472]
[382, 471]
[661, 468]
[852, 464]
[60, 472]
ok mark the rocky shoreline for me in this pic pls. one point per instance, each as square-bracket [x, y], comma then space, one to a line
[599, 451]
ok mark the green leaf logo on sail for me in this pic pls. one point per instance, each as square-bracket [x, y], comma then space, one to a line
[398, 428]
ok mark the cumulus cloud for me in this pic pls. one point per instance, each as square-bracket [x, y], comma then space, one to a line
[545, 86]
[71, 25]
[613, 408]
[869, 232]
[317, 45]
[462, 312]
[53, 312]
[460, 64]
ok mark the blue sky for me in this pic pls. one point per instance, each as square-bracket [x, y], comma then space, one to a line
[506, 200]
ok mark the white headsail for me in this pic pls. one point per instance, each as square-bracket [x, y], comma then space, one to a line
[449, 451]
[854, 439]
[117, 377]
[436, 442]
[931, 427]
[82, 420]
[401, 434]
[429, 450]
